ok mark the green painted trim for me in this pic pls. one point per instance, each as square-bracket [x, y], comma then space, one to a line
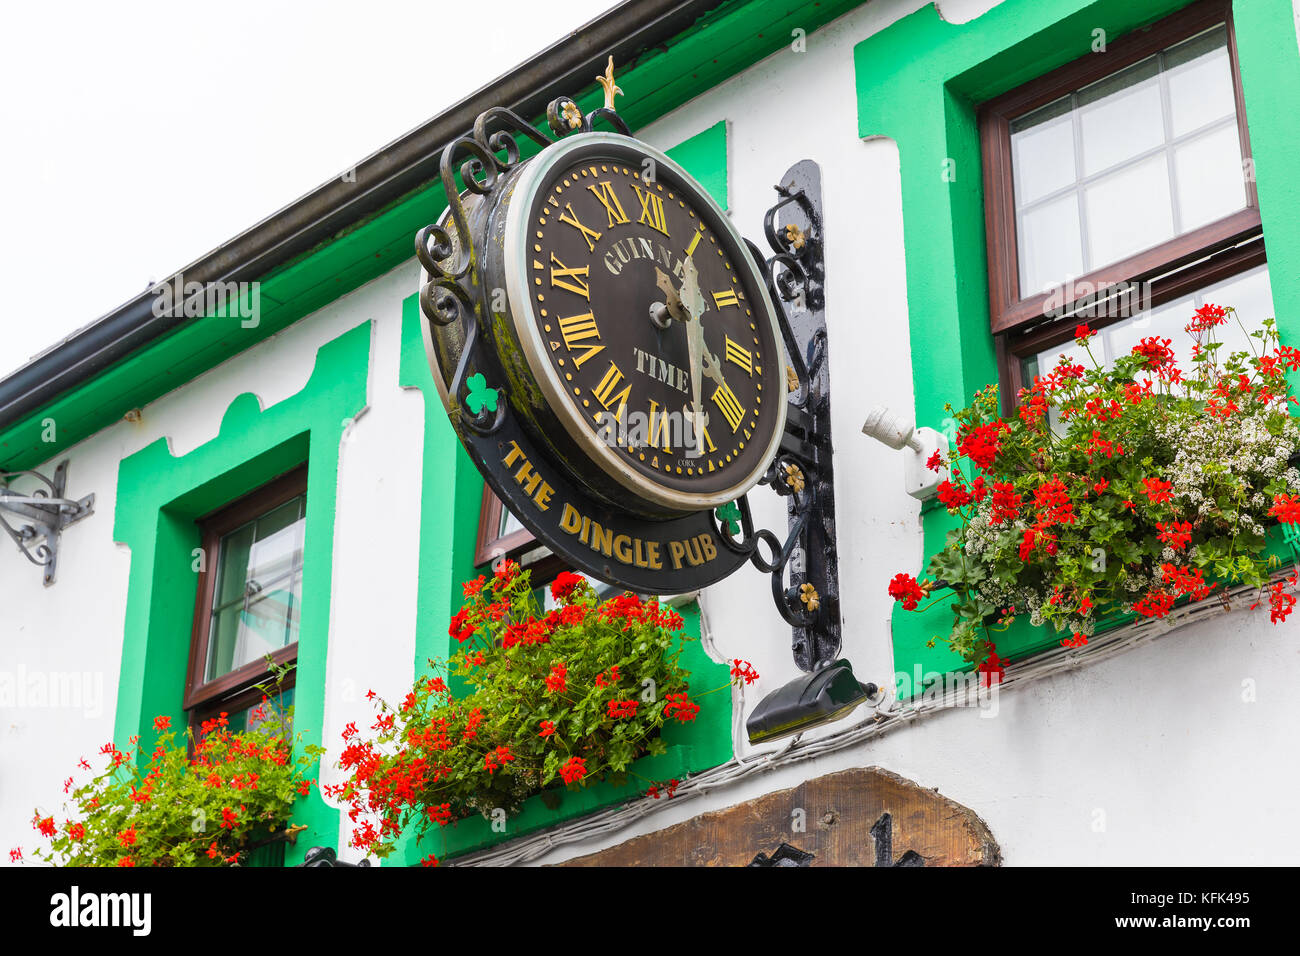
[159, 497]
[448, 538]
[721, 44]
[919, 81]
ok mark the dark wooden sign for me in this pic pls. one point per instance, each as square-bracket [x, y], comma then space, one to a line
[860, 817]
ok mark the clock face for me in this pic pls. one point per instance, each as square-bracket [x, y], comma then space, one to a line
[645, 322]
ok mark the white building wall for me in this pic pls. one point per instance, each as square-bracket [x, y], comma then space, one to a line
[1134, 760]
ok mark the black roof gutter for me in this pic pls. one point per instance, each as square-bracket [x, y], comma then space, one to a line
[566, 67]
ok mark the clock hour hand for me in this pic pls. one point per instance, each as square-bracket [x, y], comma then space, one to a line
[672, 298]
[687, 305]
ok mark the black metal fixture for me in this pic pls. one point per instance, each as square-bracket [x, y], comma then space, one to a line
[805, 568]
[826, 694]
[463, 336]
[40, 516]
[324, 856]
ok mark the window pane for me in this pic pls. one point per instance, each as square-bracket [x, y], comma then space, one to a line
[1200, 81]
[509, 524]
[232, 566]
[1210, 180]
[1043, 152]
[277, 545]
[221, 641]
[1249, 293]
[1120, 117]
[259, 589]
[1128, 211]
[270, 621]
[1158, 157]
[1050, 244]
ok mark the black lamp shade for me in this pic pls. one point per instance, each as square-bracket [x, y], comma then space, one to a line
[810, 700]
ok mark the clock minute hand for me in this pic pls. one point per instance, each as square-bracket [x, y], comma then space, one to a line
[693, 305]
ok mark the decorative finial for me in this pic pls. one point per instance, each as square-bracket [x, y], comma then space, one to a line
[794, 479]
[809, 596]
[607, 83]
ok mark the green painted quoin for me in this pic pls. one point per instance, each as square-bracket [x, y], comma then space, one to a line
[159, 496]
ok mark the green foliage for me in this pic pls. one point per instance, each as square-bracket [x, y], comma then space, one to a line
[555, 699]
[1119, 490]
[234, 793]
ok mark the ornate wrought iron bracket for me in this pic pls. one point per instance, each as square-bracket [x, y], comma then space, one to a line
[805, 567]
[35, 521]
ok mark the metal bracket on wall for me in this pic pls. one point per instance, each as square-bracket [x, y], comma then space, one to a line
[805, 568]
[40, 516]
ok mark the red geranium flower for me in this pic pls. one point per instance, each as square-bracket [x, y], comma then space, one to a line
[1156, 351]
[618, 709]
[506, 572]
[557, 680]
[1158, 490]
[905, 588]
[681, 708]
[1286, 509]
[565, 584]
[460, 628]
[161, 723]
[993, 668]
[1176, 534]
[574, 770]
[743, 670]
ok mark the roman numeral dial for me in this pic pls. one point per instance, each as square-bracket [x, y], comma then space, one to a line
[685, 405]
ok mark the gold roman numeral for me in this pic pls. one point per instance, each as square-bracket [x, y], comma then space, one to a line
[576, 329]
[725, 298]
[659, 429]
[695, 240]
[561, 276]
[739, 356]
[704, 433]
[604, 390]
[590, 235]
[613, 208]
[726, 401]
[652, 209]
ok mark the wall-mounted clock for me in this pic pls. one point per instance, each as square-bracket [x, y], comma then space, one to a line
[638, 339]
[600, 305]
[643, 322]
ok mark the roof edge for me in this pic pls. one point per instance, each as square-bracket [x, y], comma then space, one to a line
[404, 165]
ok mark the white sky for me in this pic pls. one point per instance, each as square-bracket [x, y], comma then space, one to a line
[136, 136]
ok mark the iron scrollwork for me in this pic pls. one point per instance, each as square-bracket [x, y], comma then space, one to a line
[804, 568]
[40, 516]
[454, 287]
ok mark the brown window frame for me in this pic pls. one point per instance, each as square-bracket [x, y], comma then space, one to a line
[205, 699]
[516, 546]
[1233, 244]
